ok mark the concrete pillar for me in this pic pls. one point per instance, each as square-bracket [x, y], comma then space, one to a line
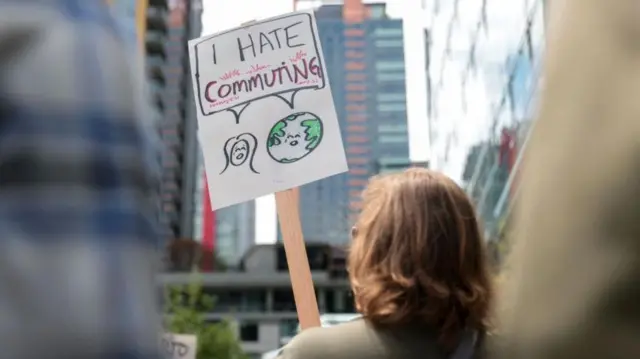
[322, 300]
[269, 301]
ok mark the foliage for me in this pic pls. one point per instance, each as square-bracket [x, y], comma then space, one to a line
[185, 307]
[276, 132]
[313, 132]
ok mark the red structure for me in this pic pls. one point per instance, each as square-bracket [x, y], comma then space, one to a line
[208, 230]
[357, 143]
[509, 150]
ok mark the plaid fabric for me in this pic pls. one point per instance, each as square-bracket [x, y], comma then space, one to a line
[78, 180]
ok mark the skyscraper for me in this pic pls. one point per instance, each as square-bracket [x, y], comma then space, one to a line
[485, 77]
[178, 126]
[228, 231]
[364, 55]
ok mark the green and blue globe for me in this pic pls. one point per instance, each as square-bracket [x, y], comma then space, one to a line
[294, 137]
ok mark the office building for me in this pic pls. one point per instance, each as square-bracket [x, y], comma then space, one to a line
[484, 74]
[258, 298]
[178, 126]
[164, 27]
[364, 55]
[229, 232]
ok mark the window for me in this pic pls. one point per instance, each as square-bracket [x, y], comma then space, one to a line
[389, 43]
[388, 32]
[389, 97]
[386, 170]
[401, 128]
[283, 301]
[393, 161]
[249, 332]
[536, 33]
[392, 107]
[376, 11]
[393, 139]
[391, 77]
[389, 65]
[288, 328]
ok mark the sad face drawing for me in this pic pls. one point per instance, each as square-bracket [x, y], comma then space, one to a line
[240, 150]
[294, 137]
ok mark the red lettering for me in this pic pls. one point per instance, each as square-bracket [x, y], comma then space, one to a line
[207, 89]
[298, 56]
[222, 88]
[230, 74]
[256, 68]
[303, 71]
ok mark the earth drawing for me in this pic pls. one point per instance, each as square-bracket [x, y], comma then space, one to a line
[294, 137]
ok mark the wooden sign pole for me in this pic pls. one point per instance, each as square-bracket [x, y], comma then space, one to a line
[288, 207]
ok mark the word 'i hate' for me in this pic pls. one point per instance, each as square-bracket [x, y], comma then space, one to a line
[273, 40]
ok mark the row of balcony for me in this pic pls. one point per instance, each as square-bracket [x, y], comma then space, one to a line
[156, 37]
[154, 45]
[156, 31]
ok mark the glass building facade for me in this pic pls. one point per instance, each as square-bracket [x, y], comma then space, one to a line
[364, 56]
[229, 232]
[485, 58]
[178, 126]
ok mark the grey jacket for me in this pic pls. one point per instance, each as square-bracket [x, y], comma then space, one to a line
[359, 340]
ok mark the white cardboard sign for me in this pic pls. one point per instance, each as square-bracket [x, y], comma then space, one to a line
[266, 118]
[179, 346]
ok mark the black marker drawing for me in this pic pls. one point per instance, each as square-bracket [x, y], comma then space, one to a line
[174, 348]
[291, 103]
[237, 111]
[294, 137]
[286, 79]
[240, 150]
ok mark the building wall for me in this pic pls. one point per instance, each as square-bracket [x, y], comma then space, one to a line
[235, 231]
[364, 55]
[484, 64]
[259, 299]
[178, 128]
[232, 229]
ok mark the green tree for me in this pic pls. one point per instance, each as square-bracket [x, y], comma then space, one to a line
[185, 307]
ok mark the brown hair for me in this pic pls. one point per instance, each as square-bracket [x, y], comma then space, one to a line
[418, 257]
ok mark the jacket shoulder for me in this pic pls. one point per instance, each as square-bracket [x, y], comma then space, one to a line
[357, 340]
[323, 342]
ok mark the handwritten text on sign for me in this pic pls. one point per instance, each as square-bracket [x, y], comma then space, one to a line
[179, 346]
[272, 58]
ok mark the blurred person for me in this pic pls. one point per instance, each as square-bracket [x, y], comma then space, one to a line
[419, 275]
[573, 289]
[78, 227]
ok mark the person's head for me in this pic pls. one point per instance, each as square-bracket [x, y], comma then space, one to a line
[417, 255]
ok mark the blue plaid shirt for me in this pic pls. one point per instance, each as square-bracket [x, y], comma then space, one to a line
[78, 180]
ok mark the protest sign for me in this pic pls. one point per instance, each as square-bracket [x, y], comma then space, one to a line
[179, 346]
[266, 118]
[267, 124]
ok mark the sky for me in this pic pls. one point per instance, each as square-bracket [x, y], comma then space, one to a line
[219, 15]
[460, 125]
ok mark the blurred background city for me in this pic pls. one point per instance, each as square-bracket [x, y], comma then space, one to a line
[444, 84]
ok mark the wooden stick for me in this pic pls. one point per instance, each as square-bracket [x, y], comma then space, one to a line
[288, 207]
